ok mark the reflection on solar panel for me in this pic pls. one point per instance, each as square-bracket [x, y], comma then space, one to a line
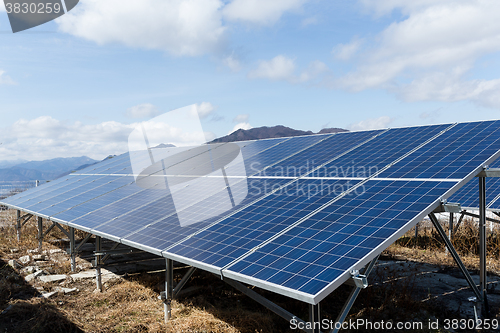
[294, 216]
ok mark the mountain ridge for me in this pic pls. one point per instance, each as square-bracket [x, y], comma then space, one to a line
[266, 132]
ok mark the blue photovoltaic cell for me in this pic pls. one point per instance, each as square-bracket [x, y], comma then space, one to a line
[239, 233]
[79, 195]
[56, 194]
[311, 255]
[106, 164]
[168, 231]
[372, 156]
[160, 205]
[35, 191]
[322, 152]
[256, 163]
[86, 208]
[454, 154]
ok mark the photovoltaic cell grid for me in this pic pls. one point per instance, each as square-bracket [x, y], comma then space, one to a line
[468, 195]
[326, 233]
[452, 155]
[379, 152]
[234, 236]
[318, 251]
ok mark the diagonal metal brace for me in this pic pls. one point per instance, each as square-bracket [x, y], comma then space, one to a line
[85, 240]
[184, 280]
[25, 219]
[477, 217]
[455, 256]
[361, 283]
[265, 302]
[55, 224]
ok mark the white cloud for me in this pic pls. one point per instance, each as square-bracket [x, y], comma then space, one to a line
[2, 6]
[314, 70]
[428, 54]
[278, 68]
[282, 68]
[5, 79]
[204, 109]
[232, 62]
[347, 51]
[46, 137]
[370, 124]
[245, 126]
[145, 110]
[180, 27]
[312, 20]
[241, 118]
[262, 12]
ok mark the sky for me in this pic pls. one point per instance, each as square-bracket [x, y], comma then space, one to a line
[80, 84]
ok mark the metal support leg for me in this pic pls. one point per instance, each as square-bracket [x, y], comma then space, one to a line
[40, 233]
[416, 232]
[169, 289]
[352, 298]
[482, 242]
[72, 248]
[98, 263]
[18, 225]
[315, 317]
[450, 230]
[455, 256]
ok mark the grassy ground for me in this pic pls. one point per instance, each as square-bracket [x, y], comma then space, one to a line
[130, 304]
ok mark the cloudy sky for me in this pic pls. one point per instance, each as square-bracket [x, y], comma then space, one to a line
[79, 85]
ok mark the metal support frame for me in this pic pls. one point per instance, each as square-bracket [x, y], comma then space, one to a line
[352, 298]
[72, 251]
[184, 280]
[265, 302]
[82, 243]
[455, 256]
[483, 280]
[20, 222]
[450, 227]
[169, 289]
[315, 317]
[40, 233]
[478, 217]
[459, 221]
[98, 263]
[416, 230]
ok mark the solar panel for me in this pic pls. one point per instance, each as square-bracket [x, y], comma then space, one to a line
[316, 255]
[237, 234]
[468, 197]
[257, 223]
[451, 155]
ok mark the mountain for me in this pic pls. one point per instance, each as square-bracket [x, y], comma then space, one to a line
[270, 132]
[44, 170]
[9, 164]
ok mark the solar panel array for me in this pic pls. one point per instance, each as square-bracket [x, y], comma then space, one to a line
[312, 208]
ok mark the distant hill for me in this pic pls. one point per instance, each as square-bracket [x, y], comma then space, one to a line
[270, 132]
[44, 170]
